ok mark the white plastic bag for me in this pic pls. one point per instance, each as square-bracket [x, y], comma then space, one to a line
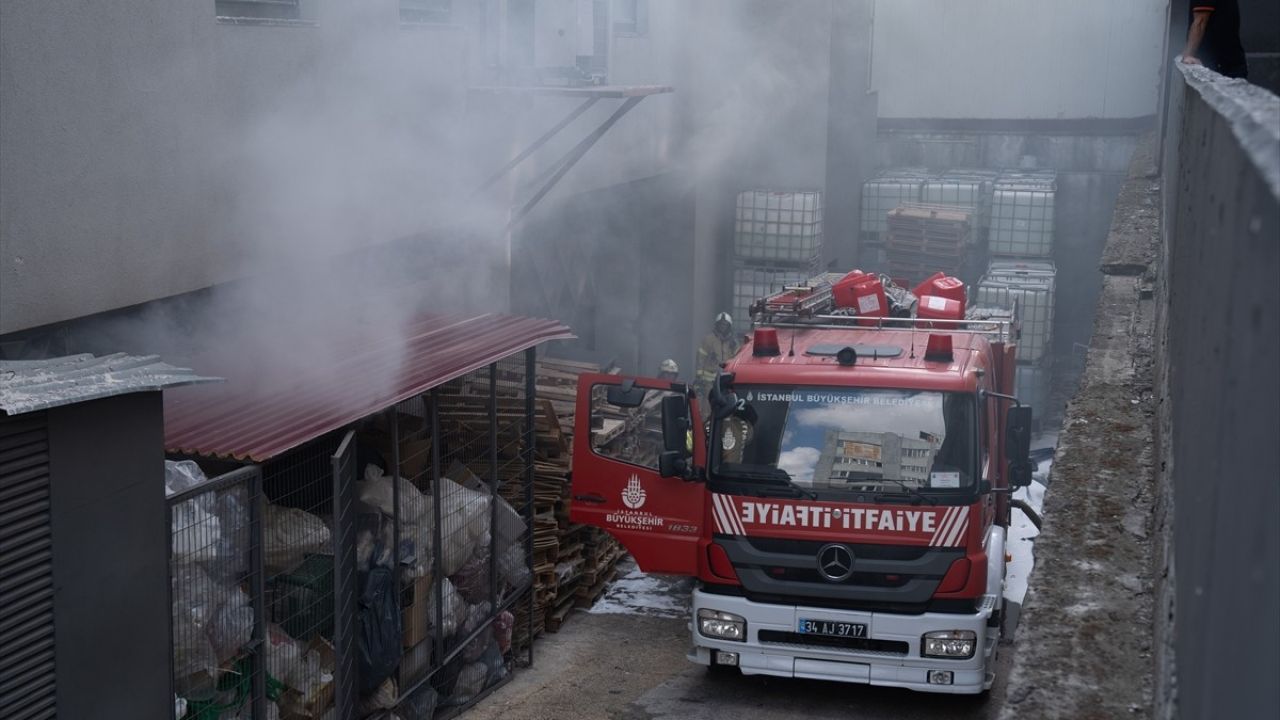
[512, 567]
[291, 535]
[197, 534]
[455, 609]
[181, 475]
[231, 626]
[464, 521]
[376, 490]
[470, 683]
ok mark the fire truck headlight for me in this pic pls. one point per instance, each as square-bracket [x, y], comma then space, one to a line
[949, 644]
[722, 625]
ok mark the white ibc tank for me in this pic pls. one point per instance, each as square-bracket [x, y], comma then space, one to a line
[1030, 283]
[891, 189]
[965, 189]
[1022, 215]
[778, 227]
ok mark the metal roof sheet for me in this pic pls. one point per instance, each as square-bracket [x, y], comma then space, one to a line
[275, 404]
[29, 385]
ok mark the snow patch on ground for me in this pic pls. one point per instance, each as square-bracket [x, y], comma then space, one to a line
[637, 593]
[1022, 534]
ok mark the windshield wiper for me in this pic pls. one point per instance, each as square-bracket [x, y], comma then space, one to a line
[765, 474]
[908, 490]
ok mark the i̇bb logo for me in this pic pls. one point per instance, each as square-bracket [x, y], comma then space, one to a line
[633, 494]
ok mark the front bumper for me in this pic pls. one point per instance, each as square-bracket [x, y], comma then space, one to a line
[875, 667]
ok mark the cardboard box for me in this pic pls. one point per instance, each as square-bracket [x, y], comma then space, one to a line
[414, 622]
[415, 458]
[295, 706]
[415, 663]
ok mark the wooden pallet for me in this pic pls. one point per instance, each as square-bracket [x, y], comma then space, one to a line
[587, 595]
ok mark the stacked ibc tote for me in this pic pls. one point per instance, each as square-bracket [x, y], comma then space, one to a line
[777, 242]
[881, 195]
[1021, 269]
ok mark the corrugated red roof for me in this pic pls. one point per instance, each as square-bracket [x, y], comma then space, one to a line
[274, 404]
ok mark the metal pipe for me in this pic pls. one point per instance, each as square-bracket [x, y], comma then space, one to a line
[493, 488]
[168, 554]
[573, 157]
[437, 560]
[530, 438]
[257, 593]
[555, 130]
[394, 472]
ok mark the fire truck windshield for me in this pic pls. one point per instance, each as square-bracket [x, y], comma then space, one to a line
[850, 439]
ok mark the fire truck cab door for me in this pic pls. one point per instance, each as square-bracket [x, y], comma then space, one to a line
[616, 482]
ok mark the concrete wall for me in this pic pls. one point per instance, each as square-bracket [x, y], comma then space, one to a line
[151, 149]
[1218, 350]
[1018, 58]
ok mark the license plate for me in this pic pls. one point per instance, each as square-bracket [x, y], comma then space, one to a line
[832, 629]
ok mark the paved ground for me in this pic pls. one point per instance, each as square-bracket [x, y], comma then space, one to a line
[632, 667]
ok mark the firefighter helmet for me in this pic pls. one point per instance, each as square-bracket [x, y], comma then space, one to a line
[724, 325]
[669, 366]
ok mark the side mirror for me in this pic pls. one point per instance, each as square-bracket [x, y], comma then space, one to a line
[626, 395]
[675, 424]
[673, 463]
[721, 398]
[1019, 474]
[1017, 445]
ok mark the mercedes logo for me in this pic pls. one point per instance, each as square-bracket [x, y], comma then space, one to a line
[835, 562]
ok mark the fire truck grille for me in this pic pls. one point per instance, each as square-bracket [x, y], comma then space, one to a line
[895, 648]
[881, 575]
[811, 547]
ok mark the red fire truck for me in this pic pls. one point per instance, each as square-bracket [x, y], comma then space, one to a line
[842, 495]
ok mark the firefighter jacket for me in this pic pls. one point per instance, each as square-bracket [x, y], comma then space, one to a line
[711, 354]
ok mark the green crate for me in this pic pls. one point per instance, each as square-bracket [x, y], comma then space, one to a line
[301, 601]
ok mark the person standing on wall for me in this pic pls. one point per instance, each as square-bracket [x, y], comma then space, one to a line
[1213, 38]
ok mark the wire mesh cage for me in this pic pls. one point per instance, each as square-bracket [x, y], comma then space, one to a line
[215, 577]
[373, 570]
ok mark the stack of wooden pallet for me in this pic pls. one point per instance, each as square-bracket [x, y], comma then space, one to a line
[567, 562]
[601, 553]
[924, 239]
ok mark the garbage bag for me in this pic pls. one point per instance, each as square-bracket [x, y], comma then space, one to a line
[421, 703]
[383, 698]
[211, 527]
[376, 491]
[231, 626]
[472, 579]
[196, 533]
[477, 615]
[470, 683]
[231, 507]
[379, 627]
[291, 535]
[512, 567]
[194, 661]
[502, 627]
[181, 475]
[492, 660]
[454, 608]
[464, 521]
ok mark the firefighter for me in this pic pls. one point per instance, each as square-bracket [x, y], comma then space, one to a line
[716, 349]
[669, 370]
